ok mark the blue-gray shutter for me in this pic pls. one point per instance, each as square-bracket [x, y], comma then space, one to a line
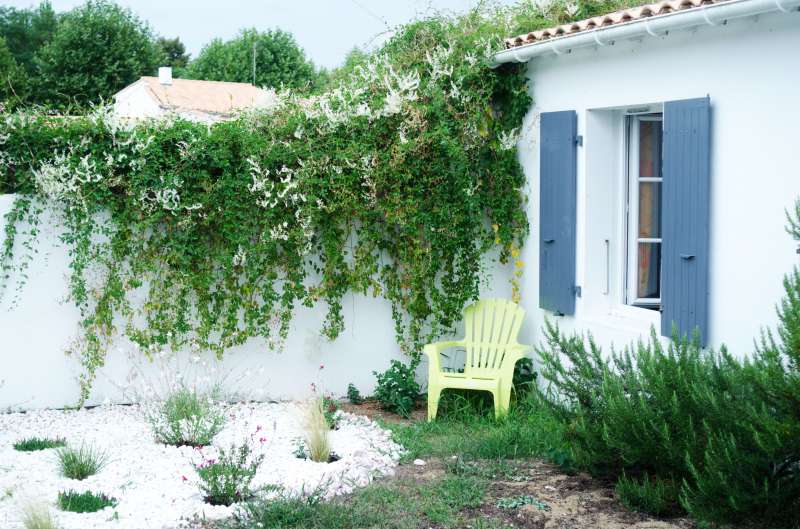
[685, 217]
[557, 210]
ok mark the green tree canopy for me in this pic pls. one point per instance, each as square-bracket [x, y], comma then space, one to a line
[26, 31]
[279, 60]
[13, 80]
[354, 57]
[173, 52]
[98, 49]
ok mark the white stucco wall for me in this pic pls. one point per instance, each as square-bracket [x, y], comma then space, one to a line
[37, 325]
[135, 101]
[751, 70]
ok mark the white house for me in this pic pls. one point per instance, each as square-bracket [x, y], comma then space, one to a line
[196, 100]
[661, 152]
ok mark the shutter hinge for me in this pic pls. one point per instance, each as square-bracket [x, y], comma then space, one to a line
[577, 289]
[579, 140]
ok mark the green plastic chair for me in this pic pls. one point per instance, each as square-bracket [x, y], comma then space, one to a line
[491, 351]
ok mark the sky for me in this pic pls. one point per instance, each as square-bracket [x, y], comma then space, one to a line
[325, 29]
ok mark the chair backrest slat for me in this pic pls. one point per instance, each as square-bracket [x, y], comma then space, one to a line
[491, 325]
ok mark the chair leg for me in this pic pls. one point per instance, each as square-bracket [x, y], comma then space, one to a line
[502, 399]
[433, 401]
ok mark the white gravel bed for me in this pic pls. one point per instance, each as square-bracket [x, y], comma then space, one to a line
[156, 485]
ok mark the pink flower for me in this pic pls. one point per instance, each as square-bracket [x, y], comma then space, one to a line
[262, 440]
[184, 478]
[322, 366]
[258, 428]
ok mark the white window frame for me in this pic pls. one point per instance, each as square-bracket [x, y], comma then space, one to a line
[632, 211]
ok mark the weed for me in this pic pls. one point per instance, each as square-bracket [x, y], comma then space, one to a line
[515, 502]
[397, 391]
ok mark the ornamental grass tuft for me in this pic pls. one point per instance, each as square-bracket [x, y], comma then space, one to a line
[84, 502]
[38, 516]
[317, 440]
[33, 444]
[80, 463]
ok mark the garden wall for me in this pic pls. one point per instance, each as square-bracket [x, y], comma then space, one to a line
[37, 325]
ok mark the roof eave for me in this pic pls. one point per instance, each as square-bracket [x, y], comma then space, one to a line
[654, 26]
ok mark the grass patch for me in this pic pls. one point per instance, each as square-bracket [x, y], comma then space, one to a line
[466, 427]
[34, 444]
[38, 516]
[80, 463]
[402, 504]
[83, 502]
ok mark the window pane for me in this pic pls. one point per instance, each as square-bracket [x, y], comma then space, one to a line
[649, 270]
[649, 149]
[650, 209]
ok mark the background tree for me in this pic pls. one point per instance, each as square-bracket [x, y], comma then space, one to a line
[279, 60]
[173, 53]
[26, 31]
[354, 58]
[97, 49]
[13, 79]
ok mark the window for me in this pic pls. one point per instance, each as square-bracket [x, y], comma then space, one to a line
[643, 250]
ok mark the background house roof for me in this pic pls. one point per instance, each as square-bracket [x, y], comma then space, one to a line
[611, 19]
[213, 97]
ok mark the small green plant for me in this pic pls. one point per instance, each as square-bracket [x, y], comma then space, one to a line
[353, 395]
[329, 407]
[80, 463]
[186, 417]
[651, 495]
[515, 502]
[299, 448]
[397, 390]
[33, 444]
[83, 502]
[226, 479]
[38, 516]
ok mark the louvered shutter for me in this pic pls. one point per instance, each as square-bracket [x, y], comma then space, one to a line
[686, 200]
[557, 210]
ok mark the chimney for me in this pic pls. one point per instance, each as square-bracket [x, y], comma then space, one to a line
[165, 75]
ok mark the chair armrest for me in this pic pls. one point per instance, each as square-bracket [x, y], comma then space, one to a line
[433, 350]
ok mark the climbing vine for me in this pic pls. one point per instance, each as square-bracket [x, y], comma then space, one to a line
[397, 183]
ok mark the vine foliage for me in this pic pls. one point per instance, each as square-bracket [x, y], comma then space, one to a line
[397, 183]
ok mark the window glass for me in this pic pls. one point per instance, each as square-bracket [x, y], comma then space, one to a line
[650, 209]
[649, 267]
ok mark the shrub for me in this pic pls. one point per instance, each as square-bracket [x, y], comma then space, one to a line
[353, 395]
[317, 446]
[187, 417]
[725, 431]
[33, 444]
[226, 479]
[397, 390]
[83, 502]
[37, 516]
[654, 496]
[80, 463]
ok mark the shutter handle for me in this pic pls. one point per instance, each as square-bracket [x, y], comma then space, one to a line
[548, 241]
[687, 256]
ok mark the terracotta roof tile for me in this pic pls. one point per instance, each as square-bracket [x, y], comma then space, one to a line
[618, 17]
[213, 97]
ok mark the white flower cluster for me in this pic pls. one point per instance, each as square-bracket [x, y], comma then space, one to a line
[60, 179]
[508, 140]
